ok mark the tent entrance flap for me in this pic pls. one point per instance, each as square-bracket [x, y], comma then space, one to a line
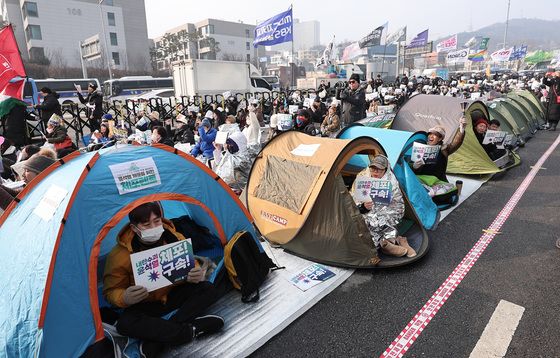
[302, 178]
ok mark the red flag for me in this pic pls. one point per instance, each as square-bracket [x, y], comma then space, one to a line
[11, 64]
[14, 89]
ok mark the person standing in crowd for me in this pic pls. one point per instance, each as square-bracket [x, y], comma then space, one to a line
[553, 109]
[142, 310]
[49, 106]
[253, 128]
[378, 82]
[353, 101]
[436, 135]
[94, 103]
[13, 115]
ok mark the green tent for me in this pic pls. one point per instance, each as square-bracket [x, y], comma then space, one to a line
[422, 112]
[518, 111]
[497, 107]
[520, 104]
[535, 103]
[530, 111]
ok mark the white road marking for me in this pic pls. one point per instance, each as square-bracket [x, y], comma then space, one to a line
[499, 331]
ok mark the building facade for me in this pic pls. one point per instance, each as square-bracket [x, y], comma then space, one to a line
[208, 39]
[307, 34]
[53, 29]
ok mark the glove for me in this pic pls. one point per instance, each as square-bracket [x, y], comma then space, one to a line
[417, 164]
[135, 294]
[196, 275]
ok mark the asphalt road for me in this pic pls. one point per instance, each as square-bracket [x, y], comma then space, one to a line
[521, 265]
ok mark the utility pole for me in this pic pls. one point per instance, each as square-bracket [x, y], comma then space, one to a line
[507, 23]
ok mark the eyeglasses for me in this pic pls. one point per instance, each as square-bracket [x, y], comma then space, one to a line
[351, 81]
[376, 169]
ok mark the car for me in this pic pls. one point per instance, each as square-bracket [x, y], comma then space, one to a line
[165, 96]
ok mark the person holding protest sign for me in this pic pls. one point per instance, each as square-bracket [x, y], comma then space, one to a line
[143, 310]
[481, 126]
[377, 193]
[436, 135]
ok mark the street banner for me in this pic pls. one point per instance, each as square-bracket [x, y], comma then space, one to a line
[447, 45]
[12, 64]
[420, 40]
[163, 265]
[518, 53]
[397, 36]
[456, 57]
[276, 30]
[352, 51]
[311, 276]
[426, 153]
[502, 55]
[373, 38]
[478, 56]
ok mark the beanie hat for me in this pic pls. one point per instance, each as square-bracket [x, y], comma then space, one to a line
[355, 77]
[108, 117]
[37, 163]
[206, 123]
[481, 120]
[438, 130]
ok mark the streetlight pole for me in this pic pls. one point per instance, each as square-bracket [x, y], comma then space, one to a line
[507, 23]
[108, 59]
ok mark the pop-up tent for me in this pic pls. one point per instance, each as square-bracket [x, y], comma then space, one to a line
[398, 144]
[52, 236]
[498, 110]
[422, 112]
[537, 105]
[519, 111]
[298, 195]
[529, 107]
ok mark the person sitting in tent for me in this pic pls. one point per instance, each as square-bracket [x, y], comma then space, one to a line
[494, 125]
[481, 125]
[143, 310]
[382, 219]
[436, 135]
[235, 164]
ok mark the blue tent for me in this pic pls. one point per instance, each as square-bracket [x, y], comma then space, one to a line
[58, 230]
[398, 144]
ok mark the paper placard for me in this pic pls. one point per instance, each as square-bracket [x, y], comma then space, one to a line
[163, 265]
[494, 137]
[307, 102]
[292, 108]
[78, 88]
[50, 202]
[135, 175]
[369, 189]
[507, 141]
[305, 150]
[424, 152]
[221, 137]
[311, 276]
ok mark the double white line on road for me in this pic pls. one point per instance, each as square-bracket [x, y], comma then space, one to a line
[498, 333]
[414, 328]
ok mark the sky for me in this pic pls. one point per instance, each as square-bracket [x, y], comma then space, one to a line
[353, 19]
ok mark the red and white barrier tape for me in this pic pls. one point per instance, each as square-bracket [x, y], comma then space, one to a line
[414, 328]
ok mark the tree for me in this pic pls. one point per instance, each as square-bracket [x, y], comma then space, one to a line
[231, 57]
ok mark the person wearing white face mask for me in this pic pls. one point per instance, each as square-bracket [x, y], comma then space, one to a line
[142, 309]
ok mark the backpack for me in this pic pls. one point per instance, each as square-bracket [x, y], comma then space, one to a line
[246, 266]
[201, 237]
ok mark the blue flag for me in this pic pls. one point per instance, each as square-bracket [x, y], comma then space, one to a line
[276, 30]
[420, 40]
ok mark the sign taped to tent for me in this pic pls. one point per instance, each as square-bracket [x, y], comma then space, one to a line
[135, 175]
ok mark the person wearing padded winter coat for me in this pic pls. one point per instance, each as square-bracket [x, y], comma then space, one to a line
[205, 145]
[94, 102]
[142, 310]
[58, 136]
[50, 104]
[353, 101]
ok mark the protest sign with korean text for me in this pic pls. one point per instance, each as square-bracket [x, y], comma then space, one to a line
[311, 276]
[378, 191]
[135, 175]
[164, 265]
[424, 152]
[494, 137]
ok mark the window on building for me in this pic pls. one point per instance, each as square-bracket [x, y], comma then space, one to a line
[108, 2]
[30, 9]
[247, 46]
[116, 59]
[111, 18]
[113, 37]
[247, 33]
[37, 53]
[210, 29]
[248, 58]
[34, 32]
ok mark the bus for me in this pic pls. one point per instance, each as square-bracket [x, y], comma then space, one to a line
[65, 87]
[125, 87]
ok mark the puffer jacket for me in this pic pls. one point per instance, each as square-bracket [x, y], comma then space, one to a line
[206, 144]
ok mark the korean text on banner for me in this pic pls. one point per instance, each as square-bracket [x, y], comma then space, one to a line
[164, 265]
[502, 55]
[368, 189]
[399, 35]
[373, 38]
[494, 137]
[12, 64]
[420, 40]
[447, 45]
[424, 152]
[135, 175]
[276, 30]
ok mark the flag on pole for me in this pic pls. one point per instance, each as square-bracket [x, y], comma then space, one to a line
[397, 36]
[483, 45]
[477, 56]
[420, 40]
[373, 38]
[447, 45]
[12, 65]
[471, 42]
[327, 55]
[276, 30]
